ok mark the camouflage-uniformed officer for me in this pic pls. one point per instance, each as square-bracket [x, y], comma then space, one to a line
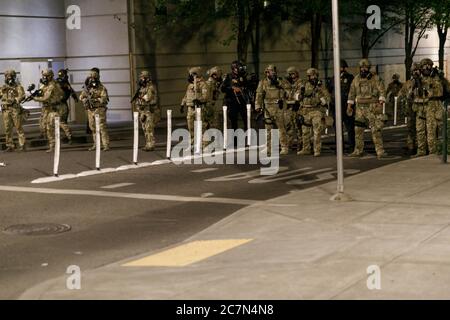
[196, 97]
[51, 98]
[428, 94]
[406, 95]
[270, 96]
[95, 99]
[11, 95]
[314, 101]
[292, 86]
[367, 96]
[214, 114]
[146, 104]
[63, 112]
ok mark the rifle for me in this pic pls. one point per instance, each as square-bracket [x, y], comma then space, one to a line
[33, 94]
[89, 104]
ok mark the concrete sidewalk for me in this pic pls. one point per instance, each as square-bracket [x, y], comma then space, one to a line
[308, 247]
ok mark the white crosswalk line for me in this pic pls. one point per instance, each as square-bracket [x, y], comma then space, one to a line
[118, 185]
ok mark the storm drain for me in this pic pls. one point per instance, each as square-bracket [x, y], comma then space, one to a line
[37, 229]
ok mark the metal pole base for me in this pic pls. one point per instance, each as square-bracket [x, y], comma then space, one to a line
[341, 196]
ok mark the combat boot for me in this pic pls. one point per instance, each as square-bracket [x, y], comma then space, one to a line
[317, 154]
[92, 148]
[382, 155]
[356, 154]
[9, 149]
[304, 152]
[106, 148]
[284, 151]
[21, 149]
[49, 150]
[69, 140]
[419, 154]
[148, 148]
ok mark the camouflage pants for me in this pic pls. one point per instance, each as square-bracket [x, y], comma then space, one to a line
[147, 119]
[411, 138]
[48, 121]
[63, 113]
[12, 118]
[313, 126]
[293, 131]
[373, 115]
[207, 117]
[104, 136]
[274, 115]
[429, 118]
[42, 127]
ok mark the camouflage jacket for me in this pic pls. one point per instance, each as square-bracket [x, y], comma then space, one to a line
[314, 95]
[292, 90]
[98, 96]
[11, 96]
[427, 88]
[52, 94]
[148, 97]
[213, 91]
[196, 91]
[268, 94]
[366, 90]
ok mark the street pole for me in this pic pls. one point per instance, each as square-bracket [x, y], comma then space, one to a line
[340, 195]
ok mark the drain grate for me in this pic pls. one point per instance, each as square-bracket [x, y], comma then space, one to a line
[37, 229]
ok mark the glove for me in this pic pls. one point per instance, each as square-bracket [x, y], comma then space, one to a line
[182, 108]
[349, 111]
[196, 102]
[280, 104]
[296, 106]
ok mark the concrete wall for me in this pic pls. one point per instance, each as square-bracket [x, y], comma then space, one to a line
[102, 42]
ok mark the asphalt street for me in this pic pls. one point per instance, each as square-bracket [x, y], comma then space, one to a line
[114, 216]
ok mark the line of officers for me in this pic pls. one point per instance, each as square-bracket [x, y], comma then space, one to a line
[302, 108]
[297, 107]
[53, 95]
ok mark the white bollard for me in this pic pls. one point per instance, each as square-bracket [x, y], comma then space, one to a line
[225, 127]
[249, 124]
[326, 129]
[384, 108]
[136, 137]
[198, 134]
[57, 147]
[97, 142]
[169, 134]
[395, 110]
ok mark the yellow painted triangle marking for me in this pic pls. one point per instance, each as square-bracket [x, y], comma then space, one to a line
[187, 254]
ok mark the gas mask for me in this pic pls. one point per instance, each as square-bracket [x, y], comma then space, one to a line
[10, 81]
[44, 81]
[426, 71]
[192, 77]
[292, 77]
[273, 77]
[313, 80]
[93, 83]
[364, 72]
[143, 82]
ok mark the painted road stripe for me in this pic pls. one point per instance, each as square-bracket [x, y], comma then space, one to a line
[141, 196]
[118, 185]
[187, 254]
[204, 170]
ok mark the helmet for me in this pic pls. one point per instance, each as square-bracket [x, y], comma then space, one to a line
[415, 66]
[312, 72]
[271, 67]
[195, 70]
[292, 70]
[365, 63]
[11, 73]
[145, 74]
[48, 73]
[395, 76]
[426, 62]
[215, 70]
[239, 66]
[344, 64]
